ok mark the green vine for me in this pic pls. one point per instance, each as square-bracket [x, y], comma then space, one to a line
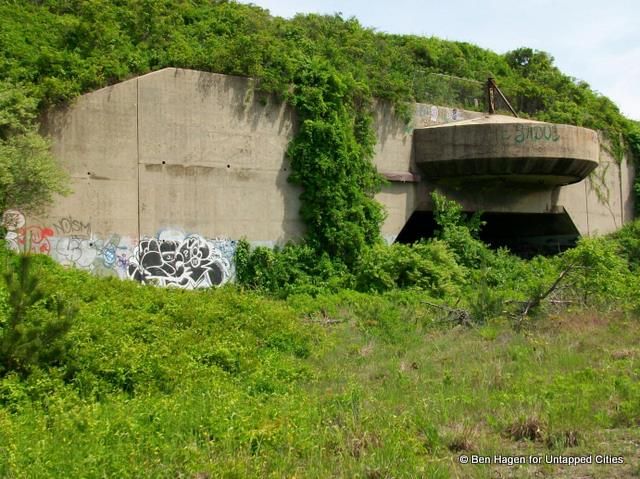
[633, 140]
[331, 159]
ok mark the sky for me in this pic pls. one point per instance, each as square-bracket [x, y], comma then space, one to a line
[594, 41]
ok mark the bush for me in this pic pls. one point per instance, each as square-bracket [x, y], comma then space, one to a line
[628, 239]
[429, 266]
[600, 275]
[485, 302]
[460, 232]
[29, 174]
[291, 269]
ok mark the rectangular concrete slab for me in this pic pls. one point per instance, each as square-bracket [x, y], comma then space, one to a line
[96, 140]
[212, 158]
[399, 200]
[603, 197]
[627, 194]
[573, 198]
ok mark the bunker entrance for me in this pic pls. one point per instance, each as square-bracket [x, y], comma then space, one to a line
[525, 234]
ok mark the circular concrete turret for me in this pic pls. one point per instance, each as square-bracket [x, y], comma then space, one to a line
[508, 149]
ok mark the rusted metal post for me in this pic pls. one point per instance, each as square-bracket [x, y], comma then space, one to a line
[490, 98]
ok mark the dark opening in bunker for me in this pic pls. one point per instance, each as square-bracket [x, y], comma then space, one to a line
[525, 234]
[421, 225]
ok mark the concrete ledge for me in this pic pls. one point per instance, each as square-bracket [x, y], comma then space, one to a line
[508, 148]
[401, 176]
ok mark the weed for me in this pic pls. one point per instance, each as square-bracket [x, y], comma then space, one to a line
[529, 429]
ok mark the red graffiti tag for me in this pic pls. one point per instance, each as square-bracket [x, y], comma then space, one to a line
[35, 238]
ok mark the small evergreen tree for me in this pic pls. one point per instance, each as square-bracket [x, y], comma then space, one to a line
[31, 336]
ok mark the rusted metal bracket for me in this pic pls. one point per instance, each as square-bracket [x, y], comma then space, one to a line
[492, 89]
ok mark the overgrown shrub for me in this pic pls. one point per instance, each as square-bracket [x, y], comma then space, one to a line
[628, 237]
[600, 275]
[290, 269]
[485, 302]
[426, 265]
[460, 232]
[29, 174]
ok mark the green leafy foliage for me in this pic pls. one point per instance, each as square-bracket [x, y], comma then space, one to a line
[460, 232]
[487, 302]
[32, 333]
[18, 109]
[29, 174]
[331, 159]
[428, 266]
[601, 273]
[294, 268]
[628, 237]
[163, 382]
[457, 268]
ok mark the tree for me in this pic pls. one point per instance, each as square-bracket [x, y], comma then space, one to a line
[29, 174]
[33, 331]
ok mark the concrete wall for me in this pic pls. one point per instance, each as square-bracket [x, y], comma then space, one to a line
[170, 169]
[603, 202]
[395, 159]
[211, 158]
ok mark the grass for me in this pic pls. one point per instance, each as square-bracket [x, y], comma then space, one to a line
[225, 383]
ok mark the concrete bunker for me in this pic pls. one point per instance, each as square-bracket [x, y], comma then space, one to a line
[196, 161]
[499, 156]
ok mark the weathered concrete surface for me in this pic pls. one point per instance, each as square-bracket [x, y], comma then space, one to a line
[96, 139]
[399, 200]
[212, 158]
[627, 194]
[604, 205]
[574, 200]
[395, 159]
[603, 202]
[496, 147]
[171, 168]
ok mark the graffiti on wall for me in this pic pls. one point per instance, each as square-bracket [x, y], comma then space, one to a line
[454, 115]
[532, 133]
[71, 226]
[172, 258]
[103, 257]
[189, 262]
[69, 242]
[426, 115]
[434, 114]
[20, 237]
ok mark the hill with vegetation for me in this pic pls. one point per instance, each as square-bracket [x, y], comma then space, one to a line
[52, 51]
[327, 67]
[338, 356]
